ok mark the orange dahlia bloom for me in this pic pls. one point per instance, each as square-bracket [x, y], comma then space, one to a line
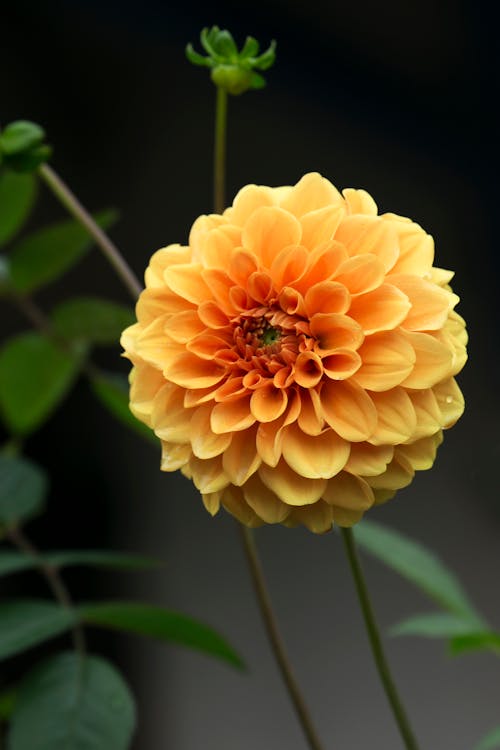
[296, 359]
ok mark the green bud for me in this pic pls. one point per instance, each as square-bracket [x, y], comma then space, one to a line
[20, 136]
[232, 70]
[21, 146]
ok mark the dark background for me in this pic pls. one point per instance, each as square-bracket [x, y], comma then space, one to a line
[395, 97]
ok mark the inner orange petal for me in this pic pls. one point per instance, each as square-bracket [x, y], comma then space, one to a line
[268, 403]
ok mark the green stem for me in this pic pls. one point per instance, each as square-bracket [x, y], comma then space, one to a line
[80, 213]
[376, 642]
[275, 638]
[220, 150]
[51, 575]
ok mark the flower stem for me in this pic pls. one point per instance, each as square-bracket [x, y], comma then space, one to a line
[220, 150]
[376, 642]
[80, 213]
[275, 638]
[51, 575]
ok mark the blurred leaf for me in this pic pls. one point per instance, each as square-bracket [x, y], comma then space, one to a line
[20, 136]
[8, 699]
[434, 625]
[71, 702]
[35, 376]
[16, 562]
[25, 623]
[491, 741]
[17, 196]
[156, 622]
[23, 486]
[418, 565]
[97, 321]
[112, 389]
[47, 254]
[250, 48]
[487, 641]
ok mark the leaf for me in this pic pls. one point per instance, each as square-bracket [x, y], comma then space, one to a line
[156, 622]
[112, 390]
[485, 641]
[25, 623]
[435, 625]
[71, 702]
[23, 486]
[8, 699]
[20, 136]
[35, 375]
[418, 565]
[16, 562]
[17, 196]
[491, 741]
[97, 321]
[47, 254]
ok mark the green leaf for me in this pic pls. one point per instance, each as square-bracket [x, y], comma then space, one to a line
[16, 562]
[35, 376]
[112, 390]
[418, 565]
[20, 136]
[156, 622]
[197, 59]
[47, 254]
[435, 625]
[28, 161]
[250, 48]
[258, 81]
[25, 623]
[485, 641]
[8, 699]
[97, 321]
[17, 196]
[23, 486]
[491, 741]
[71, 702]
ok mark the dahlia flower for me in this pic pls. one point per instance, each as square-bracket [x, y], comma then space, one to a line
[297, 358]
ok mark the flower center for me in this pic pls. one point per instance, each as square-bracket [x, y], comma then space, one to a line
[269, 335]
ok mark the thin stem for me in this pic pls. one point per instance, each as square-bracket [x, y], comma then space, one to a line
[220, 150]
[376, 642]
[80, 213]
[54, 580]
[275, 638]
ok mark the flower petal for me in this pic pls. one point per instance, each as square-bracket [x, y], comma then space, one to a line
[334, 331]
[288, 265]
[421, 453]
[369, 460]
[186, 281]
[310, 193]
[396, 417]
[383, 309]
[450, 401]
[370, 234]
[342, 364]
[359, 202]
[349, 410]
[264, 502]
[234, 501]
[190, 371]
[318, 517]
[291, 487]
[398, 474]
[174, 456]
[430, 304]
[240, 459]
[434, 361]
[320, 225]
[348, 491]
[268, 403]
[204, 442]
[387, 358]
[361, 274]
[318, 457]
[268, 231]
[327, 297]
[308, 369]
[231, 416]
[208, 475]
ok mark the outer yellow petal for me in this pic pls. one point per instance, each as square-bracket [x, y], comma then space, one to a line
[396, 417]
[318, 517]
[310, 193]
[264, 502]
[289, 486]
[348, 491]
[268, 231]
[240, 459]
[318, 457]
[349, 410]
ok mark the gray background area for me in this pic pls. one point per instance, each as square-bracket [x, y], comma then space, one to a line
[396, 98]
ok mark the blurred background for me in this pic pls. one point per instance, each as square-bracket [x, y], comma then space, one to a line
[394, 97]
